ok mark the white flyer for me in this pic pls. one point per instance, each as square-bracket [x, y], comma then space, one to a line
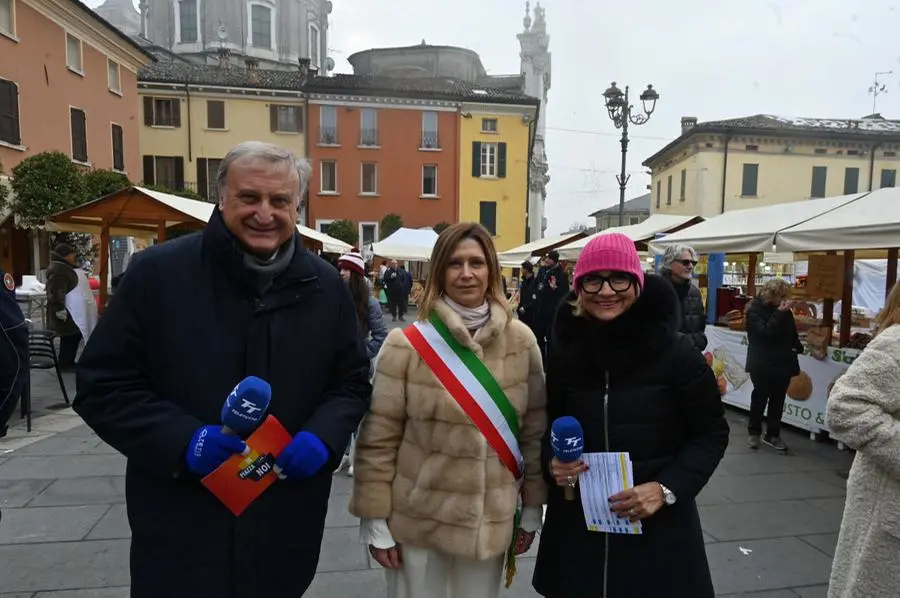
[607, 474]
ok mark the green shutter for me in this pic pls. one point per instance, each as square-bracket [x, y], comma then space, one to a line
[501, 160]
[476, 159]
[202, 179]
[148, 170]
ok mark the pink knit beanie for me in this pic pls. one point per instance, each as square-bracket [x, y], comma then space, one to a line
[613, 251]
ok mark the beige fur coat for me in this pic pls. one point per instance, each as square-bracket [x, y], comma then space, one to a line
[864, 413]
[422, 464]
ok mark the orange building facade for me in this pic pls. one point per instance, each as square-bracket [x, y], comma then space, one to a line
[68, 83]
[374, 155]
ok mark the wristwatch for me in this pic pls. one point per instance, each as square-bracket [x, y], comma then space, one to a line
[668, 496]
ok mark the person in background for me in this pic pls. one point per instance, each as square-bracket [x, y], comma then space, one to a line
[192, 317]
[371, 324]
[527, 290]
[397, 290]
[552, 288]
[618, 365]
[864, 413]
[13, 350]
[678, 267]
[437, 504]
[61, 279]
[773, 347]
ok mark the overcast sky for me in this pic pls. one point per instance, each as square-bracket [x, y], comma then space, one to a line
[707, 58]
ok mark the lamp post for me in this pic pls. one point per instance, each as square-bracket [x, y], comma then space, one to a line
[621, 113]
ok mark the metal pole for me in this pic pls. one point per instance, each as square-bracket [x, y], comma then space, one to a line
[623, 178]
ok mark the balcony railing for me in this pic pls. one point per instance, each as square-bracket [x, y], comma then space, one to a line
[368, 137]
[430, 141]
[328, 135]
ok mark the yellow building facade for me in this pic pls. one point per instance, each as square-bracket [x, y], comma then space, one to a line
[192, 116]
[763, 160]
[495, 142]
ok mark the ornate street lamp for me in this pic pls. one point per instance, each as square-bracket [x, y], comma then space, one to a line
[621, 112]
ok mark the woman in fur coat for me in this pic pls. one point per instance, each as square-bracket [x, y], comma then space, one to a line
[864, 413]
[618, 365]
[438, 500]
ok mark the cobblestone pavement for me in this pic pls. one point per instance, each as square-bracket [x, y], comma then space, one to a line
[770, 521]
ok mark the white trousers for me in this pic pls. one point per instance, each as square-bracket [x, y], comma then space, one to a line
[427, 573]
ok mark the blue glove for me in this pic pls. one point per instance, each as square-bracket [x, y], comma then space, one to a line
[302, 458]
[210, 447]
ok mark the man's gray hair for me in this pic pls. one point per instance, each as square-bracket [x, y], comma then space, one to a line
[673, 254]
[269, 152]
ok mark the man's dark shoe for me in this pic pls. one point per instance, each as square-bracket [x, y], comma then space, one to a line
[775, 442]
[753, 442]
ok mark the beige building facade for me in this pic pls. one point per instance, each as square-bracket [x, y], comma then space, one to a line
[714, 167]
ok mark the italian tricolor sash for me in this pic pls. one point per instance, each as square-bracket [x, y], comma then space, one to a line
[479, 394]
[473, 386]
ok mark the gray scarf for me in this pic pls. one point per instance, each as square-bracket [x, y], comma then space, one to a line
[264, 271]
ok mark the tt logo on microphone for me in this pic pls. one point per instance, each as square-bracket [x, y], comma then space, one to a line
[249, 407]
[573, 442]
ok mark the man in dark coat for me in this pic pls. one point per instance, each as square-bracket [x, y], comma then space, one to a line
[397, 285]
[191, 318]
[527, 294]
[13, 350]
[678, 268]
[61, 279]
[552, 288]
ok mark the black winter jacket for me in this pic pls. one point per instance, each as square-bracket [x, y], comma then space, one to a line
[773, 341]
[635, 384]
[693, 313]
[186, 326]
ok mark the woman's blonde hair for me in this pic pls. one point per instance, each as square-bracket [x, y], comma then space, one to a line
[440, 259]
[775, 290]
[890, 313]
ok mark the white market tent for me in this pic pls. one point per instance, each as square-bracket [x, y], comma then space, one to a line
[643, 231]
[513, 258]
[407, 244]
[752, 230]
[870, 222]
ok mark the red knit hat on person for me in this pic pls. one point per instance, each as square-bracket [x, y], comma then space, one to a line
[614, 252]
[353, 262]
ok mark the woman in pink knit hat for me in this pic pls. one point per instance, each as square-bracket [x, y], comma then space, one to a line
[617, 363]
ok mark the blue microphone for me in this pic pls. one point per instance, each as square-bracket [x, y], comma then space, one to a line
[567, 441]
[246, 406]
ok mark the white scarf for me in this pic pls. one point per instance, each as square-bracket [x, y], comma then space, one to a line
[473, 318]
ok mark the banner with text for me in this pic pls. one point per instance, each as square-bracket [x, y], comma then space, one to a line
[807, 398]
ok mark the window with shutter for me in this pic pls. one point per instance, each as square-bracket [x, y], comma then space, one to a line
[487, 216]
[851, 180]
[215, 114]
[79, 135]
[9, 113]
[819, 177]
[118, 147]
[149, 170]
[501, 160]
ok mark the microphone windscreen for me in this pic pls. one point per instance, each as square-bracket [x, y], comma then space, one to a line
[246, 406]
[567, 439]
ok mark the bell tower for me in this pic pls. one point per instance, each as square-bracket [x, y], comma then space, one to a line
[535, 60]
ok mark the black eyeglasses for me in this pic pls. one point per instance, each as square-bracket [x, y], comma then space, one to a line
[619, 282]
[687, 263]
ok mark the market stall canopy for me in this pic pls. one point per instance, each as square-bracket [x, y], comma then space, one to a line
[407, 244]
[751, 230]
[643, 231]
[513, 258]
[870, 222]
[139, 212]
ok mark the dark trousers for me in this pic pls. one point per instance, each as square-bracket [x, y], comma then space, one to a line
[767, 390]
[68, 348]
[397, 304]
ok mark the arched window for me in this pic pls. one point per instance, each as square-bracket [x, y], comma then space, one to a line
[262, 26]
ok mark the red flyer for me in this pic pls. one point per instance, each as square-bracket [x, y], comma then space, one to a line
[241, 479]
